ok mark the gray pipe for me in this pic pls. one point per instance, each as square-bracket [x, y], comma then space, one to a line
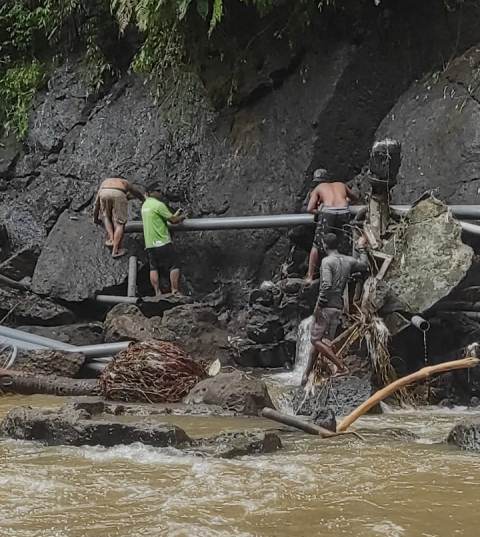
[22, 345]
[470, 228]
[132, 276]
[419, 322]
[35, 339]
[103, 349]
[112, 299]
[95, 366]
[233, 222]
[283, 220]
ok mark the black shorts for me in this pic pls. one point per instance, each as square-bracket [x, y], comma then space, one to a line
[162, 259]
[333, 222]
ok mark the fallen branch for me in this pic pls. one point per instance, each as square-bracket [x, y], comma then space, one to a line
[304, 426]
[421, 374]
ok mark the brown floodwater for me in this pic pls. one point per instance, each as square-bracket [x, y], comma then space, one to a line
[380, 486]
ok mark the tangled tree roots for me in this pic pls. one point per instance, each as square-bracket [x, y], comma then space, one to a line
[151, 371]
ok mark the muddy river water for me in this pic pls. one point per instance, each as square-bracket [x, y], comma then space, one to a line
[381, 486]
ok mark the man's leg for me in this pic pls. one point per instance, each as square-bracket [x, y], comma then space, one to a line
[175, 281]
[312, 358]
[107, 222]
[155, 281]
[312, 264]
[117, 250]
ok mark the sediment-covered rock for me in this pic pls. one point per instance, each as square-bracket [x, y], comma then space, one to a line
[341, 394]
[75, 428]
[232, 391]
[50, 362]
[430, 258]
[466, 435]
[238, 444]
[88, 424]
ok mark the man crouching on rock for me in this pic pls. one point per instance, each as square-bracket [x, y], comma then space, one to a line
[112, 203]
[335, 271]
[158, 242]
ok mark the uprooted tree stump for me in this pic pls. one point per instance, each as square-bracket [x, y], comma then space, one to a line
[152, 371]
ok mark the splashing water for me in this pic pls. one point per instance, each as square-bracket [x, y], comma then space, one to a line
[282, 386]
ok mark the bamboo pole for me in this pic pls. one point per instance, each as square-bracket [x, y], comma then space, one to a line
[421, 374]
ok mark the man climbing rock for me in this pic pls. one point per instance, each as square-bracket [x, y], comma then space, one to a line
[158, 242]
[335, 271]
[112, 203]
[330, 201]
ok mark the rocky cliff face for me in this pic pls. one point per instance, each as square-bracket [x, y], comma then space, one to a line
[315, 104]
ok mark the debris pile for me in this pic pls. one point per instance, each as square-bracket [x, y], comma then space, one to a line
[152, 371]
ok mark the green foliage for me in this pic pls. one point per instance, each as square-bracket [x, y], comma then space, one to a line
[17, 88]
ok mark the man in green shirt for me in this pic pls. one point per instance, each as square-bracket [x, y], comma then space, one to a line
[158, 242]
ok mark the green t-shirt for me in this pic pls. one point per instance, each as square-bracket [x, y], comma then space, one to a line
[155, 215]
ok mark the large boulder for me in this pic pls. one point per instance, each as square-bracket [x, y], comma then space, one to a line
[197, 328]
[430, 258]
[232, 391]
[75, 264]
[466, 435]
[125, 322]
[26, 307]
[437, 122]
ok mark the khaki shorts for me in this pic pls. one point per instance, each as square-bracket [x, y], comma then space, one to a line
[114, 205]
[326, 325]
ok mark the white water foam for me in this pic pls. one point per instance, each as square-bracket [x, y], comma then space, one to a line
[281, 383]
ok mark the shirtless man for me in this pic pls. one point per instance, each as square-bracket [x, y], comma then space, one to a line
[335, 271]
[329, 200]
[112, 202]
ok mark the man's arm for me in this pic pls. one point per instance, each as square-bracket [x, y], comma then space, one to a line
[326, 278]
[313, 201]
[360, 258]
[177, 217]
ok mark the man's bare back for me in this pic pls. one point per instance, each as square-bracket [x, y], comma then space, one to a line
[335, 194]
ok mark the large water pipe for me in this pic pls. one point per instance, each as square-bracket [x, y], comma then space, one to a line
[113, 299]
[35, 339]
[290, 220]
[27, 341]
[102, 349]
[22, 345]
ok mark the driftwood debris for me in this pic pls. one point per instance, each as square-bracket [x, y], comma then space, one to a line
[421, 374]
[304, 426]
